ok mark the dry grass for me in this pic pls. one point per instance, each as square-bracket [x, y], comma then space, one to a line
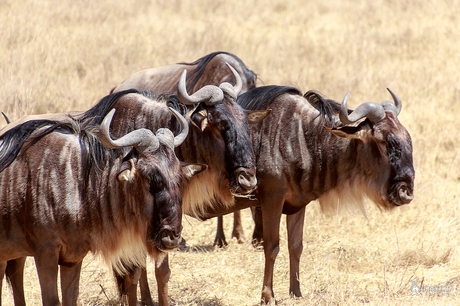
[66, 55]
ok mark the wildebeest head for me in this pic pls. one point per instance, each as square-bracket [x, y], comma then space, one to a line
[153, 163]
[388, 152]
[225, 127]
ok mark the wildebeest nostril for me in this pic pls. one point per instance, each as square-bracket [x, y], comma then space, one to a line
[246, 182]
[405, 195]
[170, 240]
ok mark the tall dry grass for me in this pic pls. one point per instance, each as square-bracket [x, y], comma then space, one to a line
[66, 55]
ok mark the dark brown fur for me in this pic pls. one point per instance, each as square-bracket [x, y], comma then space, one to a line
[49, 211]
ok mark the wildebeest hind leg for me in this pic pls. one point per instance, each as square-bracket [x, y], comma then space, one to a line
[238, 232]
[220, 235]
[15, 275]
[258, 233]
[295, 224]
[272, 206]
[70, 280]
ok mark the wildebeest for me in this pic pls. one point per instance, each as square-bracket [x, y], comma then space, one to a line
[312, 148]
[67, 188]
[210, 119]
[210, 69]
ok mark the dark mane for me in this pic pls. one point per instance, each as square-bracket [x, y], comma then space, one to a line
[203, 62]
[260, 97]
[327, 108]
[95, 115]
[13, 140]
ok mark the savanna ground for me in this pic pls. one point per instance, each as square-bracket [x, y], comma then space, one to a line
[65, 55]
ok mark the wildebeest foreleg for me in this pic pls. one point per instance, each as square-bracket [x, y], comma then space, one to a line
[162, 274]
[70, 284]
[238, 232]
[220, 235]
[272, 207]
[46, 261]
[146, 297]
[295, 234]
[15, 275]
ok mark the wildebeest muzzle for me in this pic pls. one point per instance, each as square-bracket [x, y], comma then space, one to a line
[401, 193]
[246, 181]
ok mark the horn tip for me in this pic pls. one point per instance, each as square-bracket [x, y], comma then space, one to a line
[108, 118]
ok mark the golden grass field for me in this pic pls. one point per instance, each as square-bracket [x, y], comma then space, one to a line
[65, 55]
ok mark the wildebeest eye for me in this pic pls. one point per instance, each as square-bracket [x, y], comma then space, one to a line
[157, 182]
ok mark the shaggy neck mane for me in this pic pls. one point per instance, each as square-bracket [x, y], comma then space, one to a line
[328, 109]
[95, 115]
[85, 126]
[351, 187]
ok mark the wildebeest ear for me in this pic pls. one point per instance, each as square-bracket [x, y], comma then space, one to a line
[200, 117]
[348, 131]
[190, 170]
[257, 116]
[127, 170]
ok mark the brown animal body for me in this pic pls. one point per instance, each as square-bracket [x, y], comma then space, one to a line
[64, 193]
[209, 70]
[310, 148]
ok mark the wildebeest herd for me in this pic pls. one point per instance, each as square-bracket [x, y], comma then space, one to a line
[195, 138]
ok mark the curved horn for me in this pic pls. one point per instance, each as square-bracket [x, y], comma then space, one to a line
[7, 119]
[373, 111]
[142, 139]
[209, 94]
[165, 135]
[235, 90]
[396, 107]
[179, 139]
